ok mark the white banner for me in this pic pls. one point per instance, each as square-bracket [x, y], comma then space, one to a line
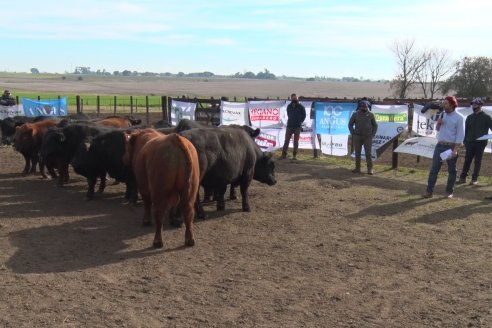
[11, 111]
[421, 146]
[234, 113]
[180, 110]
[266, 114]
[307, 140]
[268, 139]
[336, 145]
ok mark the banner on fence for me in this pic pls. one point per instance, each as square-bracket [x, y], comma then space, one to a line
[48, 107]
[465, 111]
[268, 139]
[333, 118]
[307, 140]
[11, 111]
[421, 146]
[336, 145]
[266, 114]
[180, 110]
[234, 113]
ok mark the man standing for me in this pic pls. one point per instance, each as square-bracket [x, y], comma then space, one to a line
[296, 113]
[449, 137]
[363, 128]
[7, 99]
[477, 125]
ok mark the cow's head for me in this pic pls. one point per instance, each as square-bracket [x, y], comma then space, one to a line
[23, 137]
[265, 169]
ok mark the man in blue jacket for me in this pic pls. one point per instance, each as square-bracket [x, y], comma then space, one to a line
[296, 113]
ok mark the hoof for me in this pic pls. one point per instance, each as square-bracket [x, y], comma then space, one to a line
[246, 209]
[157, 244]
[190, 242]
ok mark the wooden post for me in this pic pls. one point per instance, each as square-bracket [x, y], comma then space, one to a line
[147, 109]
[98, 105]
[115, 105]
[77, 103]
[131, 105]
[164, 108]
[395, 155]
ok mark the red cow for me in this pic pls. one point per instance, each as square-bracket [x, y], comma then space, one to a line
[119, 122]
[27, 141]
[167, 172]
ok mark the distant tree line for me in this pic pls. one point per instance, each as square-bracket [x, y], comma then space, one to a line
[433, 72]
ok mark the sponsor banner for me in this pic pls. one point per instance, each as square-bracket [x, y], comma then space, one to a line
[307, 140]
[424, 124]
[268, 139]
[234, 113]
[391, 113]
[11, 111]
[266, 114]
[45, 107]
[420, 146]
[336, 145]
[180, 110]
[307, 125]
[333, 118]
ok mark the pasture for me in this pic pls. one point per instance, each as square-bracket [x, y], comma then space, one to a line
[322, 248]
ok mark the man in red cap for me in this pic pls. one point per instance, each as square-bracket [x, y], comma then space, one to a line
[449, 137]
[477, 124]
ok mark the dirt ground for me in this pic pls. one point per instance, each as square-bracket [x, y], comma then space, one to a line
[322, 248]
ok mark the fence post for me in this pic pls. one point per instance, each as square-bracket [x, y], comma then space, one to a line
[164, 108]
[147, 108]
[394, 159]
[115, 105]
[131, 105]
[77, 103]
[98, 105]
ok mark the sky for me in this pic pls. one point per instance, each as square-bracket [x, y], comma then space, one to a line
[289, 37]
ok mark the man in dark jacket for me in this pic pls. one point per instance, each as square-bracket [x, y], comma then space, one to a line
[7, 99]
[363, 128]
[477, 124]
[296, 113]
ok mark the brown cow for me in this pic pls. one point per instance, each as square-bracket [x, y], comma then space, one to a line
[119, 122]
[167, 172]
[27, 141]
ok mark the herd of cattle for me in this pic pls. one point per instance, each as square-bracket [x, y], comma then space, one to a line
[164, 164]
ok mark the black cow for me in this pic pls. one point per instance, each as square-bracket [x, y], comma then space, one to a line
[161, 124]
[8, 125]
[229, 156]
[61, 143]
[105, 155]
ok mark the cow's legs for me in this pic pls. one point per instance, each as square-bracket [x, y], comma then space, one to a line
[188, 214]
[244, 196]
[232, 192]
[147, 209]
[102, 183]
[91, 184]
[159, 216]
[27, 166]
[220, 197]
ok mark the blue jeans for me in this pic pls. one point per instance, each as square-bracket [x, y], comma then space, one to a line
[436, 167]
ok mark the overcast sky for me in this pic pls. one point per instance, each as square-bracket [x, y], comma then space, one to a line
[288, 37]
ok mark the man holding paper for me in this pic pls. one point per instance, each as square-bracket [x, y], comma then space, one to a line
[449, 138]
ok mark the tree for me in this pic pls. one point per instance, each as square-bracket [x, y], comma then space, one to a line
[410, 62]
[249, 75]
[435, 69]
[472, 78]
[34, 71]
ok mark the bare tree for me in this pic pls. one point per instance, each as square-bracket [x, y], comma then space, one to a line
[410, 64]
[435, 69]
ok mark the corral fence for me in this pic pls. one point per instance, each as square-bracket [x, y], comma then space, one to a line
[152, 108]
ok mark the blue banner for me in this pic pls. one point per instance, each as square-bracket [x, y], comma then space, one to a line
[333, 118]
[48, 107]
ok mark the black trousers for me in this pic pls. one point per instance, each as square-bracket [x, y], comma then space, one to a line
[474, 151]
